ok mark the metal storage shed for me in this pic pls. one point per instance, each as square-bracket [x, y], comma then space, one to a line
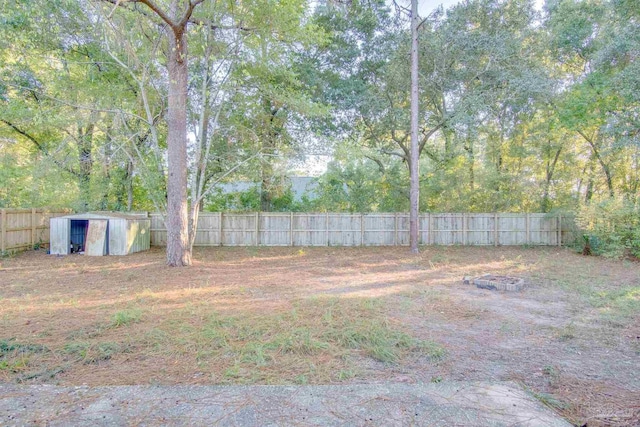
[99, 233]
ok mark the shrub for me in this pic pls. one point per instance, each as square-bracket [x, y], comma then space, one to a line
[611, 228]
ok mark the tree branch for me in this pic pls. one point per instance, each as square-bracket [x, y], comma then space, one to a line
[404, 157]
[186, 19]
[224, 175]
[378, 162]
[428, 134]
[150, 4]
[187, 14]
[40, 147]
[209, 24]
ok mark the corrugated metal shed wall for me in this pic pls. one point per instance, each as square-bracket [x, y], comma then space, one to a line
[118, 236]
[139, 235]
[126, 235]
[59, 235]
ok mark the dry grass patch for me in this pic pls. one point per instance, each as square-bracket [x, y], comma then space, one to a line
[319, 339]
[324, 315]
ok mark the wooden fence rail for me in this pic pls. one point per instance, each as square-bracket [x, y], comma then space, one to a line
[22, 229]
[373, 229]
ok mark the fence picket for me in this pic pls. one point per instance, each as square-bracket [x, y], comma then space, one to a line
[373, 229]
[23, 228]
[3, 230]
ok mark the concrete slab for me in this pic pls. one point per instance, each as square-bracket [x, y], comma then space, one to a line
[443, 404]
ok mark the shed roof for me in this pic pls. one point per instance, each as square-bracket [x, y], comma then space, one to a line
[103, 215]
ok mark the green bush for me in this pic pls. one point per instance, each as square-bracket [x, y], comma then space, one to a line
[282, 200]
[611, 228]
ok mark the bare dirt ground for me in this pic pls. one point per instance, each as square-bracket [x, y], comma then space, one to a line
[331, 315]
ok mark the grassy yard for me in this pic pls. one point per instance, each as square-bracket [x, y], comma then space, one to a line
[330, 315]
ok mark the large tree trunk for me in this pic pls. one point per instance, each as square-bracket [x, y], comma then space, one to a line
[106, 170]
[271, 133]
[589, 191]
[266, 187]
[194, 214]
[472, 160]
[178, 250]
[129, 185]
[85, 160]
[545, 205]
[414, 192]
[605, 167]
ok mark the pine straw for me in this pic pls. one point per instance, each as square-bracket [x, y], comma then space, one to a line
[325, 315]
[597, 403]
[317, 340]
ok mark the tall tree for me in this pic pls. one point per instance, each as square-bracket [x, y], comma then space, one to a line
[414, 164]
[240, 53]
[176, 17]
[56, 83]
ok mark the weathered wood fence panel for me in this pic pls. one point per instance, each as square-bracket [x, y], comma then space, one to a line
[22, 229]
[312, 229]
[275, 229]
[373, 229]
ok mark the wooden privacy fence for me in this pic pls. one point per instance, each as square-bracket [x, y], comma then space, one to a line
[22, 229]
[374, 229]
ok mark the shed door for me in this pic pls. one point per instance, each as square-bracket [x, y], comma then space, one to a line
[117, 236]
[59, 236]
[96, 244]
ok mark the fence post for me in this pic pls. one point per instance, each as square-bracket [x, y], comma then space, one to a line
[220, 230]
[257, 228]
[559, 229]
[3, 230]
[395, 229]
[427, 229]
[33, 227]
[291, 229]
[327, 224]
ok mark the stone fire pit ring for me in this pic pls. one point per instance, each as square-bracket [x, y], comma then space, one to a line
[499, 283]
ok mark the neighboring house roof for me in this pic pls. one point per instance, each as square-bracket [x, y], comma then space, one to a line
[237, 186]
[300, 186]
[303, 185]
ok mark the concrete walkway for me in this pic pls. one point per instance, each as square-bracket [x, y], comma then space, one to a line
[444, 404]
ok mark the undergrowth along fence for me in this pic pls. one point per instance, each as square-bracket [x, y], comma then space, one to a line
[22, 229]
[372, 229]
